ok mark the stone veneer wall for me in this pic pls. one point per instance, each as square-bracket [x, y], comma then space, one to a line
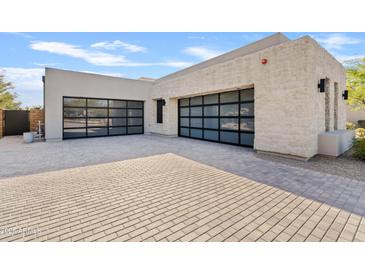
[35, 115]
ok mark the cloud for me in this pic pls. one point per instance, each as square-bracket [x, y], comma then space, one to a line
[196, 37]
[97, 57]
[114, 74]
[21, 34]
[336, 41]
[92, 57]
[118, 44]
[202, 53]
[45, 64]
[24, 78]
[348, 60]
[176, 64]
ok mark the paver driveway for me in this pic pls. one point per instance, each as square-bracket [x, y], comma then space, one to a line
[167, 197]
[163, 198]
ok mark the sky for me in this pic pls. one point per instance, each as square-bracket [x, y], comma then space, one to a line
[23, 56]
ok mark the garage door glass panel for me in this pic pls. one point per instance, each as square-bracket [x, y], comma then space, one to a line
[247, 95]
[117, 131]
[229, 123]
[184, 102]
[74, 112]
[184, 111]
[184, 132]
[135, 113]
[196, 122]
[74, 102]
[135, 130]
[97, 112]
[211, 111]
[196, 133]
[247, 139]
[229, 110]
[74, 133]
[211, 123]
[247, 109]
[229, 137]
[184, 122]
[97, 122]
[212, 135]
[117, 112]
[228, 97]
[97, 103]
[211, 99]
[93, 132]
[75, 122]
[117, 121]
[247, 124]
[135, 121]
[196, 101]
[223, 117]
[196, 111]
[134, 104]
[117, 104]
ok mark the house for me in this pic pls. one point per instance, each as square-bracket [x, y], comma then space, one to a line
[265, 95]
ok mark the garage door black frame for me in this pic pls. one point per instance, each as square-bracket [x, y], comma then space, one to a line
[108, 117]
[219, 117]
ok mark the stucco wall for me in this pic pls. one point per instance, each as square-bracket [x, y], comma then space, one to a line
[59, 83]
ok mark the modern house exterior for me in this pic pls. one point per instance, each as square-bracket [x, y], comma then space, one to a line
[265, 95]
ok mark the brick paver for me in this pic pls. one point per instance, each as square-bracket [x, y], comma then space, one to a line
[164, 198]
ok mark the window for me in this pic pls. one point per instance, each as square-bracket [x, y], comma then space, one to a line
[160, 104]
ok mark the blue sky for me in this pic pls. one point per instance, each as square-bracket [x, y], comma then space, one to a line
[23, 56]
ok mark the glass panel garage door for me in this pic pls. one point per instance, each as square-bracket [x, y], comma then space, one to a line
[95, 117]
[226, 117]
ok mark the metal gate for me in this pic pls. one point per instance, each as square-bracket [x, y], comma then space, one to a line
[16, 122]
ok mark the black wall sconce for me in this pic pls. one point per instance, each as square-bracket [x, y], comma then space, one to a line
[345, 94]
[163, 102]
[322, 85]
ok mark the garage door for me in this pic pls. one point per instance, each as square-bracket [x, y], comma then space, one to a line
[97, 117]
[222, 117]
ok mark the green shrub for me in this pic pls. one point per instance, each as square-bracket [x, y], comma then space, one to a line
[359, 148]
[359, 144]
[350, 126]
[360, 133]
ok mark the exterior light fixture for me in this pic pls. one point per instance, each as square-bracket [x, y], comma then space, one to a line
[264, 61]
[322, 85]
[345, 94]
